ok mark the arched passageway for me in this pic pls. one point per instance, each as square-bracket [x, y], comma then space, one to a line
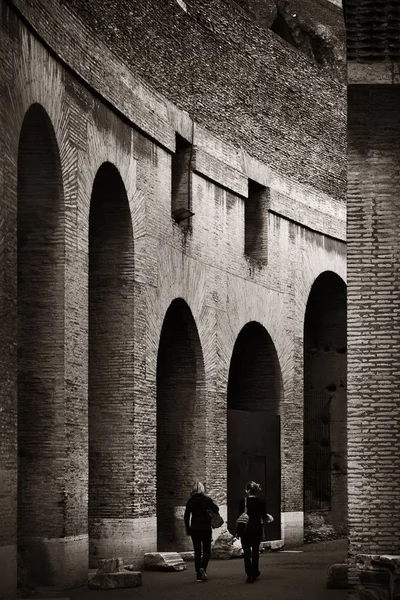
[40, 308]
[325, 406]
[254, 396]
[111, 367]
[181, 422]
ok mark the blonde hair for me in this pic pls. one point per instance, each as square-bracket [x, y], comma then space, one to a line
[197, 488]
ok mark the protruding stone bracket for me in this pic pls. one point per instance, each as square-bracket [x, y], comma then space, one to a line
[379, 576]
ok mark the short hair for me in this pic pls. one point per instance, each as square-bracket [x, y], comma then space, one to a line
[197, 488]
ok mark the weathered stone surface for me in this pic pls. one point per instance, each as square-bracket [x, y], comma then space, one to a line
[110, 565]
[313, 520]
[273, 545]
[225, 547]
[379, 576]
[276, 545]
[164, 561]
[110, 581]
[187, 556]
[222, 548]
[337, 577]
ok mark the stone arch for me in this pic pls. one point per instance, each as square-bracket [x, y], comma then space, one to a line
[181, 422]
[255, 393]
[40, 310]
[111, 367]
[325, 405]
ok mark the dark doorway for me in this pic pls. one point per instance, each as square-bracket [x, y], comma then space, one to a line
[254, 395]
[181, 422]
[41, 501]
[325, 406]
[111, 362]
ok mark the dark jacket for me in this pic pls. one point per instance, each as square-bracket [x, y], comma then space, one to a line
[197, 507]
[257, 511]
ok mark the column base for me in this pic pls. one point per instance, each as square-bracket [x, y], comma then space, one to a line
[8, 578]
[292, 528]
[58, 562]
[125, 538]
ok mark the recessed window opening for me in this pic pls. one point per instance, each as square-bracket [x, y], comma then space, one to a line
[181, 182]
[281, 28]
[255, 211]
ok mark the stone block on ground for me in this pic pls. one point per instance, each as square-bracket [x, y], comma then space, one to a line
[337, 577]
[273, 545]
[276, 545]
[164, 561]
[379, 576]
[110, 565]
[187, 556]
[111, 581]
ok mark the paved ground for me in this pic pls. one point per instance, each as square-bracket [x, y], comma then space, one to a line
[284, 576]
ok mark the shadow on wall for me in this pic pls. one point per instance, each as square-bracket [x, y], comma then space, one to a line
[181, 422]
[325, 408]
[254, 394]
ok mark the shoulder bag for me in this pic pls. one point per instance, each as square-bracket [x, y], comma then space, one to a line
[214, 518]
[242, 520]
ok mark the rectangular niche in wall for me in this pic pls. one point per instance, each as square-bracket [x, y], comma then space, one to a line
[181, 182]
[256, 222]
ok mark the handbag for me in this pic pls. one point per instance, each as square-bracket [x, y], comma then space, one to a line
[269, 519]
[242, 520]
[215, 519]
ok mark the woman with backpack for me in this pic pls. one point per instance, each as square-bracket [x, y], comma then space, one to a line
[202, 511]
[252, 515]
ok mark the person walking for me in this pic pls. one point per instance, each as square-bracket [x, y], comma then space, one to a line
[197, 524]
[250, 533]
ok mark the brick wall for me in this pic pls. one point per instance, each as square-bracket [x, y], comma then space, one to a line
[373, 319]
[205, 266]
[220, 67]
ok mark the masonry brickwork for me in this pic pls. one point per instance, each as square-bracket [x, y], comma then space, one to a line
[373, 344]
[373, 333]
[104, 107]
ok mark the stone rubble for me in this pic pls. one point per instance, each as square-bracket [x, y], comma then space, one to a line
[164, 561]
[226, 547]
[112, 574]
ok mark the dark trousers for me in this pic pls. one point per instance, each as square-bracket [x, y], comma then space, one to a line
[251, 549]
[202, 545]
